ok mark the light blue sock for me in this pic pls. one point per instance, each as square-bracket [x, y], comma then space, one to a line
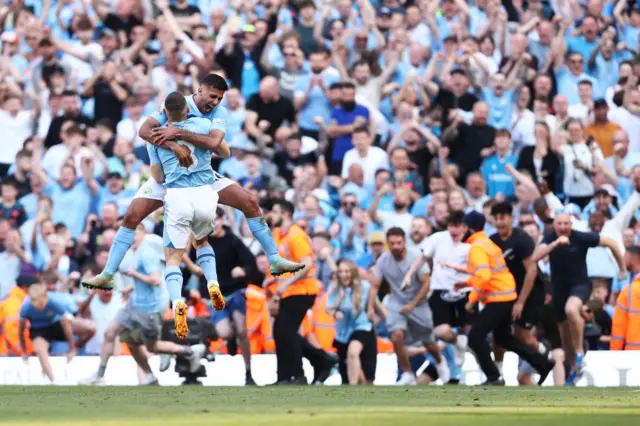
[261, 231]
[121, 244]
[206, 259]
[173, 279]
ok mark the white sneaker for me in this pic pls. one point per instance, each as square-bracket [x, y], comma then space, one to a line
[149, 380]
[165, 362]
[460, 349]
[196, 356]
[406, 379]
[92, 381]
[443, 371]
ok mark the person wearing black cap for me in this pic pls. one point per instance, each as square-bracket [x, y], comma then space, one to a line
[494, 286]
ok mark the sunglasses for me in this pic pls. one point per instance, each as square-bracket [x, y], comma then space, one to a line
[344, 204]
[527, 223]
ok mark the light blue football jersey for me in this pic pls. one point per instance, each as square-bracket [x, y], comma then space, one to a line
[199, 173]
[217, 117]
[146, 297]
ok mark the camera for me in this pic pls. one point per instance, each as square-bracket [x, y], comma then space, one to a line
[200, 331]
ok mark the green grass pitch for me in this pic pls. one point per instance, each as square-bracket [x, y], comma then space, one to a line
[319, 405]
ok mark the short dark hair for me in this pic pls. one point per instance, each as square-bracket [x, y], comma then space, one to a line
[214, 81]
[23, 153]
[504, 133]
[396, 232]
[10, 181]
[319, 50]
[502, 208]
[75, 130]
[585, 82]
[175, 104]
[84, 24]
[361, 129]
[68, 93]
[306, 3]
[348, 85]
[285, 205]
[455, 217]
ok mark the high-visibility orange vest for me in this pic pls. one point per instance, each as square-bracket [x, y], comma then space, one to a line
[259, 326]
[324, 325]
[625, 328]
[306, 327]
[296, 245]
[10, 319]
[490, 280]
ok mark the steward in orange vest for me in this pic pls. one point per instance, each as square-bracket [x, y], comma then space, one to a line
[10, 319]
[493, 285]
[625, 329]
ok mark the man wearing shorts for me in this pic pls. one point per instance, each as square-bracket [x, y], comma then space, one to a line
[447, 304]
[139, 323]
[51, 320]
[190, 208]
[407, 307]
[204, 104]
[571, 286]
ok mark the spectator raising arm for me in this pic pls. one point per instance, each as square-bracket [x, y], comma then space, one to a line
[385, 189]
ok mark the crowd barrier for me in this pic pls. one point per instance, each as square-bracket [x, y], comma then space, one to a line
[604, 369]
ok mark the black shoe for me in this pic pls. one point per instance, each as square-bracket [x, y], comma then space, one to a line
[248, 380]
[323, 373]
[544, 373]
[497, 382]
[293, 381]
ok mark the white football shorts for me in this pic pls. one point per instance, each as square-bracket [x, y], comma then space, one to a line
[187, 211]
[155, 191]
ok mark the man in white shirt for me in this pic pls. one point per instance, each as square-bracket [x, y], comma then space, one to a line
[448, 305]
[582, 109]
[128, 128]
[370, 158]
[57, 155]
[17, 126]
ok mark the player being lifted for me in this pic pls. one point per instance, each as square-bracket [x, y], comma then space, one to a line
[205, 104]
[190, 207]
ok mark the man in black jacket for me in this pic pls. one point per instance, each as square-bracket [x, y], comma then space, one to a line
[236, 268]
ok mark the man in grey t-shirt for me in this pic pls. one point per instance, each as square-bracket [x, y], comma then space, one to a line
[407, 309]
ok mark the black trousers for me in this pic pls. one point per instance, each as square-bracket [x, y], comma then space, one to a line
[496, 318]
[290, 346]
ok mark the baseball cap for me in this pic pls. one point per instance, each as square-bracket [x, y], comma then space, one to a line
[376, 238]
[25, 281]
[384, 11]
[572, 209]
[474, 220]
[107, 32]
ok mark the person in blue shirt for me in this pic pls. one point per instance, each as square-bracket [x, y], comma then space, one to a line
[355, 338]
[204, 104]
[190, 206]
[310, 94]
[495, 168]
[500, 100]
[50, 320]
[587, 41]
[139, 323]
[568, 77]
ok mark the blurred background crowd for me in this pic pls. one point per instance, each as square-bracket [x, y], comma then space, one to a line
[364, 114]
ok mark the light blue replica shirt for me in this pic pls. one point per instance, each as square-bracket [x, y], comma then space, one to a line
[199, 173]
[57, 305]
[148, 298]
[350, 323]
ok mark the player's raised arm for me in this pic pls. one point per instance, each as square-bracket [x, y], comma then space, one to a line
[154, 121]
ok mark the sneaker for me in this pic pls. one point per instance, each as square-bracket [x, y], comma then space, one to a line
[498, 382]
[149, 380]
[282, 266]
[248, 380]
[571, 379]
[406, 379]
[180, 320]
[460, 349]
[102, 281]
[545, 372]
[293, 381]
[443, 371]
[324, 372]
[165, 362]
[195, 357]
[94, 380]
[217, 299]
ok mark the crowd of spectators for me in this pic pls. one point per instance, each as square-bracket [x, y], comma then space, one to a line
[365, 114]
